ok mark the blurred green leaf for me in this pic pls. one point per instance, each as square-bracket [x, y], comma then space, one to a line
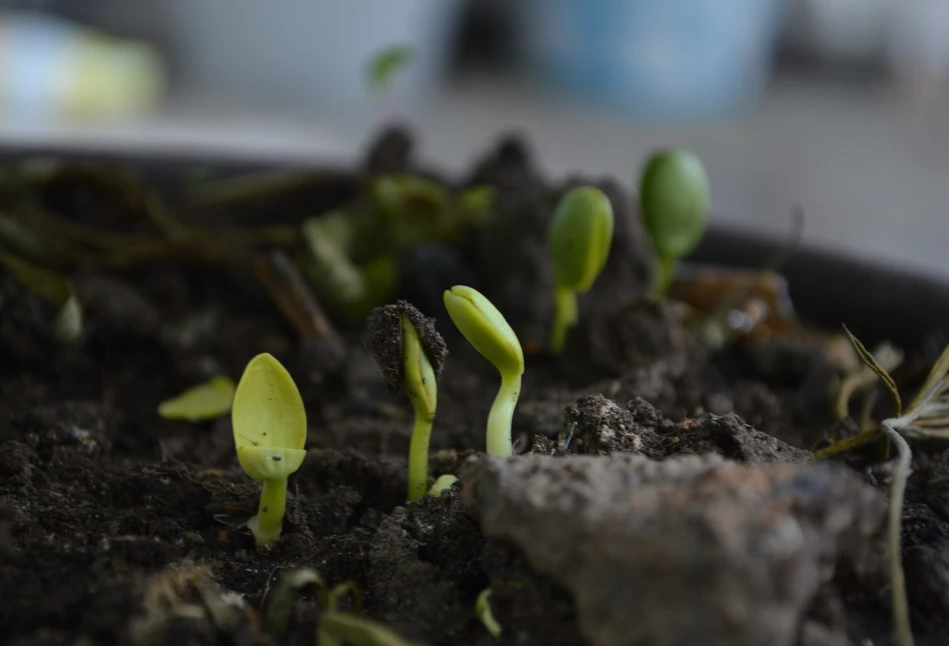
[384, 64]
[50, 285]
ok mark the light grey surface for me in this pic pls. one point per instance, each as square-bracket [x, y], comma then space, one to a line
[871, 174]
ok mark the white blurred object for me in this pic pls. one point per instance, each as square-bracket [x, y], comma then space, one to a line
[52, 68]
[309, 53]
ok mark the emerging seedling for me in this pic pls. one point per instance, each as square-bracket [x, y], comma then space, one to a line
[335, 626]
[443, 483]
[579, 242]
[674, 201]
[483, 611]
[486, 329]
[269, 432]
[411, 354]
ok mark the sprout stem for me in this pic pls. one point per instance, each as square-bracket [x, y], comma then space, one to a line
[501, 416]
[565, 316]
[665, 272]
[418, 455]
[268, 522]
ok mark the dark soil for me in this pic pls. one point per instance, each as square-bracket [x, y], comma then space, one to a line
[108, 529]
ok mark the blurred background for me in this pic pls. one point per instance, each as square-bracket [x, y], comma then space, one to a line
[839, 106]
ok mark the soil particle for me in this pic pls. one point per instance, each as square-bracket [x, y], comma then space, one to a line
[509, 166]
[598, 426]
[114, 309]
[406, 561]
[529, 606]
[632, 336]
[390, 152]
[936, 488]
[385, 340]
[427, 271]
[732, 552]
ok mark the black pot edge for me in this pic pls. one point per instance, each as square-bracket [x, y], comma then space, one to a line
[827, 286]
[832, 288]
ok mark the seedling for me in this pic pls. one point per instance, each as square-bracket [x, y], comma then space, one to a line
[385, 63]
[486, 329]
[335, 626]
[351, 253]
[579, 242]
[411, 354]
[269, 433]
[443, 483]
[206, 401]
[927, 416]
[674, 202]
[483, 611]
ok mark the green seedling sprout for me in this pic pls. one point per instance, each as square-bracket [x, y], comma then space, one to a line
[485, 328]
[385, 63]
[206, 401]
[443, 483]
[334, 626]
[579, 242]
[483, 611]
[674, 195]
[269, 433]
[411, 354]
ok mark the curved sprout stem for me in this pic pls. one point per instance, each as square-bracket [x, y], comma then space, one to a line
[501, 416]
[565, 316]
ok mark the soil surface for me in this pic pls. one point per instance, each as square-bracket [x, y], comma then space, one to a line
[120, 527]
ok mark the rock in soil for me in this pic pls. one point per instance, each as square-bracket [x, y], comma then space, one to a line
[661, 552]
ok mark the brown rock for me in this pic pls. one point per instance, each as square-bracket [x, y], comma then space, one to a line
[685, 551]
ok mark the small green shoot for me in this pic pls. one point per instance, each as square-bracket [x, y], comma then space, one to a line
[384, 64]
[443, 483]
[578, 241]
[411, 354]
[674, 196]
[269, 433]
[483, 610]
[335, 627]
[206, 401]
[485, 328]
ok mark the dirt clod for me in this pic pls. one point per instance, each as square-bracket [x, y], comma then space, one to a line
[732, 552]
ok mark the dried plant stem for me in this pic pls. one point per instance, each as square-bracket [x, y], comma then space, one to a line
[846, 444]
[904, 633]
